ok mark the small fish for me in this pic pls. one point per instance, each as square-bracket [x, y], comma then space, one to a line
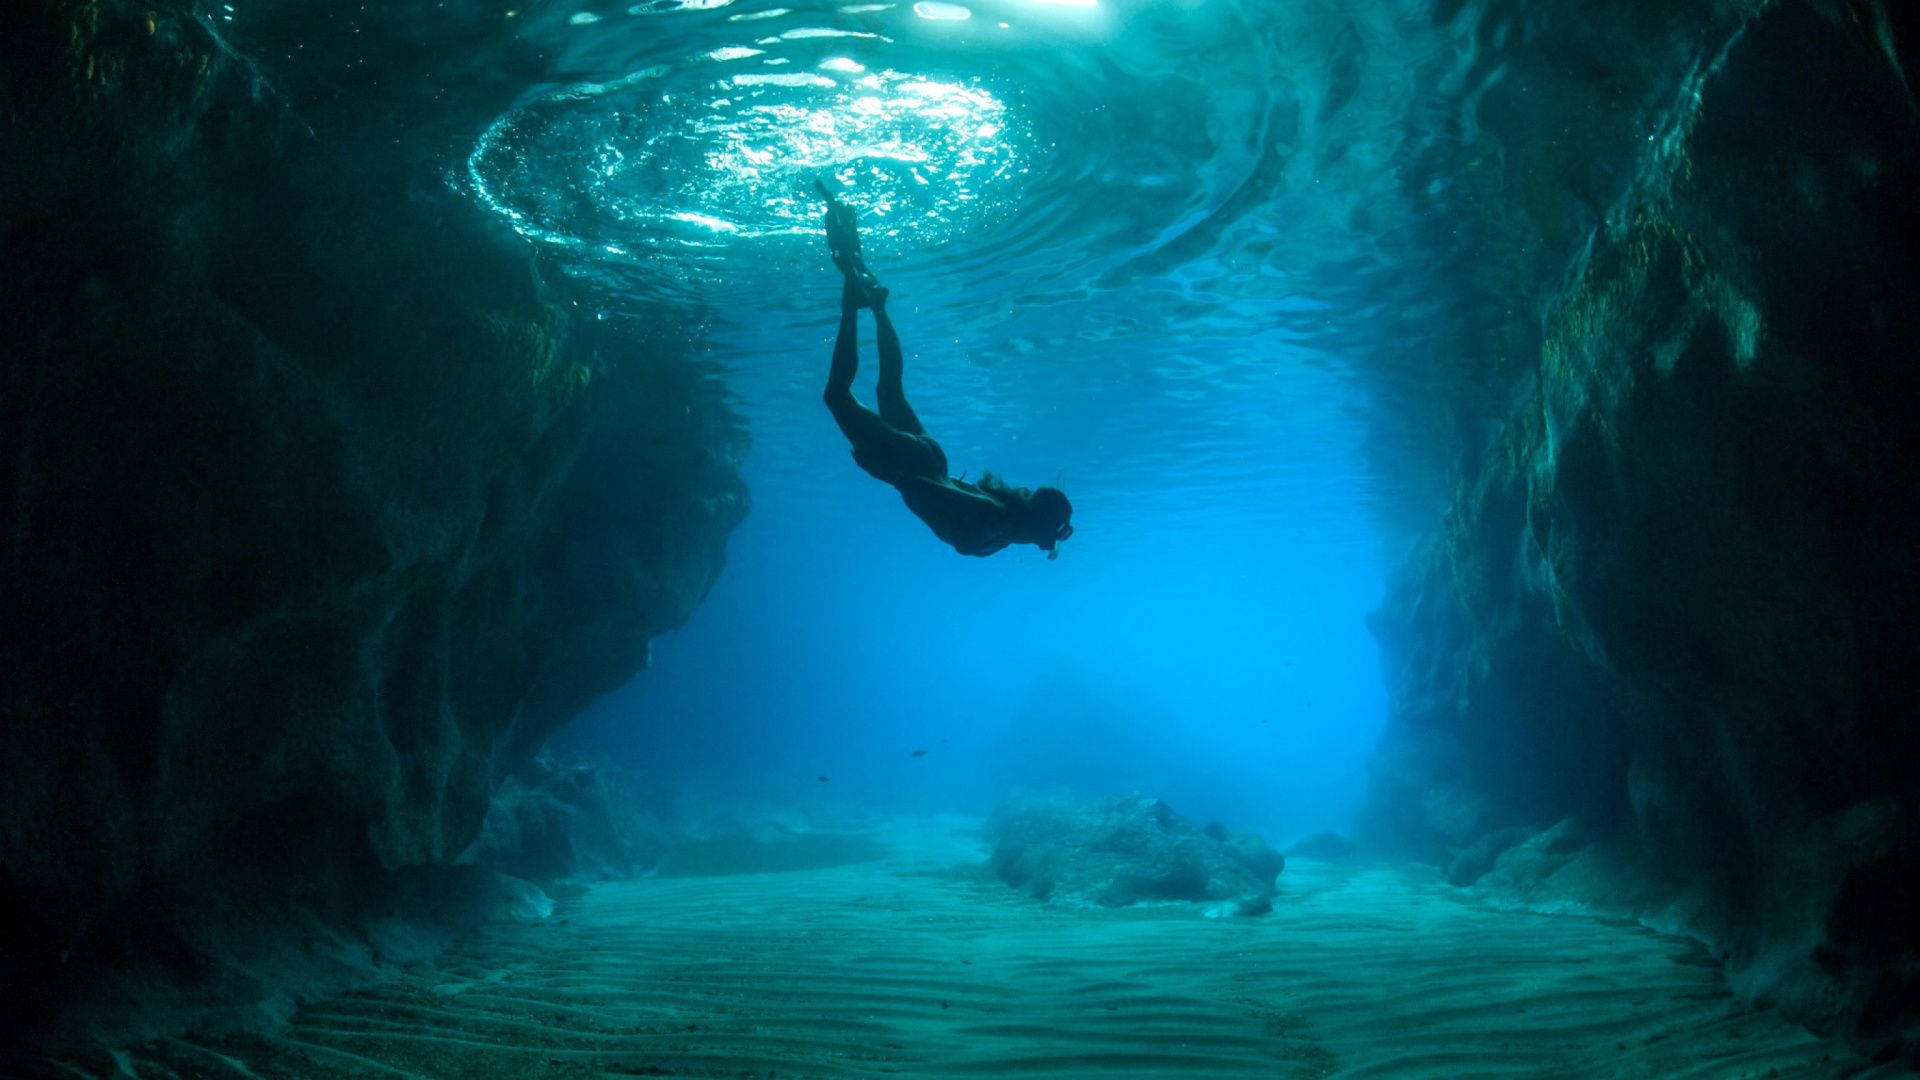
[822, 778]
[921, 752]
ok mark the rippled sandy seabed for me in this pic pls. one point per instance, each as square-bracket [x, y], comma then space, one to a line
[921, 965]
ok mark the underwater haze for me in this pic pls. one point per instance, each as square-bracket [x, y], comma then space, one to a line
[1124, 260]
[452, 623]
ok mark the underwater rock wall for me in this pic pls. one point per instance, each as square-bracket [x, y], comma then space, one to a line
[1527, 130]
[555, 821]
[320, 514]
[1672, 613]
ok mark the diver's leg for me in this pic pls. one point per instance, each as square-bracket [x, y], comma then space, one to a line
[846, 346]
[861, 425]
[891, 393]
[867, 287]
[880, 448]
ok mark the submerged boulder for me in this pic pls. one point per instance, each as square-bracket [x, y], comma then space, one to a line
[556, 820]
[1130, 849]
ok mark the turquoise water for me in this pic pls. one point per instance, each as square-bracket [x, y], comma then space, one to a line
[1242, 278]
[1124, 247]
[1141, 253]
[1249, 281]
[1484, 421]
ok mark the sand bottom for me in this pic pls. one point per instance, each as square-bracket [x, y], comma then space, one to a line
[912, 966]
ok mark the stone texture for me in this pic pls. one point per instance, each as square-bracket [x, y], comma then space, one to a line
[1527, 132]
[321, 511]
[1126, 850]
[1672, 610]
[553, 820]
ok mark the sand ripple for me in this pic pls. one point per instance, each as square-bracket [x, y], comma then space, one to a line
[889, 969]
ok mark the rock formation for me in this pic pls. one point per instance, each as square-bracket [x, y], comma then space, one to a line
[1672, 610]
[321, 511]
[553, 820]
[1129, 849]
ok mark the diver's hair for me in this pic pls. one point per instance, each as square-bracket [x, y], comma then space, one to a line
[1046, 500]
[993, 485]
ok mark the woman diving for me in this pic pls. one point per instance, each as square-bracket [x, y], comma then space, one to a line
[891, 445]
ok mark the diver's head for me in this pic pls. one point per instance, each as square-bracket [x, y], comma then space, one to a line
[1050, 518]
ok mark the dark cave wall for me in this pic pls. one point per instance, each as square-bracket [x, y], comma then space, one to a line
[1525, 135]
[1673, 609]
[320, 512]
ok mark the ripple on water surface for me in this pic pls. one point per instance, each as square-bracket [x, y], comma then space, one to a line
[1057, 150]
[694, 166]
[1128, 239]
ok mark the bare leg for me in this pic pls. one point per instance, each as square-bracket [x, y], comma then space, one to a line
[870, 435]
[846, 348]
[868, 288]
[888, 451]
[891, 393]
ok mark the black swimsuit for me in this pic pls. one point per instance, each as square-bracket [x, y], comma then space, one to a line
[904, 460]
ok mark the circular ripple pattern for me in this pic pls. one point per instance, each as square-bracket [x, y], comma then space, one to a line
[695, 165]
[707, 155]
[1084, 147]
[1135, 239]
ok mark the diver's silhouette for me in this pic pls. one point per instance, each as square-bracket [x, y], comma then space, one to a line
[976, 518]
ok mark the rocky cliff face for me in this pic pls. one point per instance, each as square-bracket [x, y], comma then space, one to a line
[1672, 612]
[320, 513]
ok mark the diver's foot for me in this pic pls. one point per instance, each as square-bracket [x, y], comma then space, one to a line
[843, 232]
[872, 294]
[843, 247]
[862, 285]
